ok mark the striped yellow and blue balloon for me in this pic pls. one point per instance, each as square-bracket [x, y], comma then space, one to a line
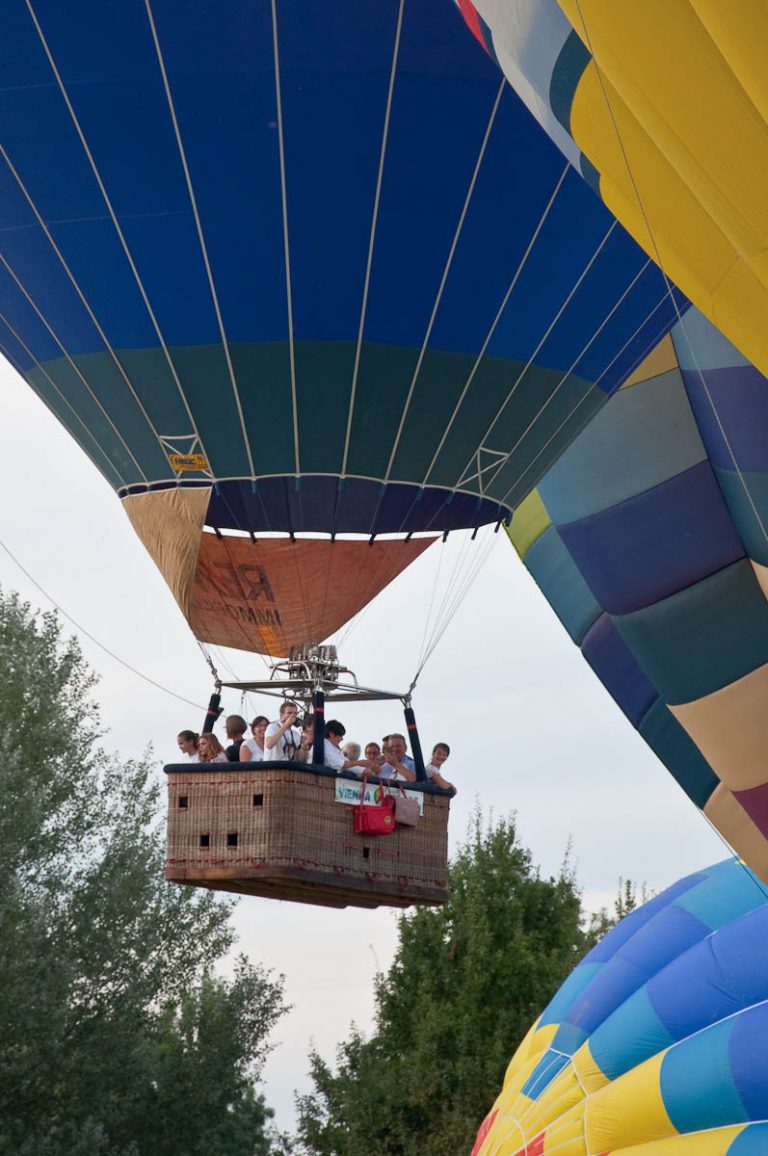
[657, 1043]
[663, 108]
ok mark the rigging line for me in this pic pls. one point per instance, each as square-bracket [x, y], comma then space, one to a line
[502, 463]
[91, 637]
[372, 580]
[209, 648]
[564, 1099]
[286, 245]
[372, 237]
[446, 271]
[563, 1103]
[574, 290]
[639, 361]
[346, 629]
[383, 559]
[352, 625]
[200, 234]
[648, 348]
[497, 318]
[659, 262]
[430, 608]
[73, 281]
[515, 278]
[452, 583]
[116, 224]
[473, 565]
[221, 495]
[73, 365]
[374, 577]
[224, 661]
[458, 587]
[65, 402]
[468, 581]
[511, 1122]
[438, 628]
[759, 884]
[206, 655]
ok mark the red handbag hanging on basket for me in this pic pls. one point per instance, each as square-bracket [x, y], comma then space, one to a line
[374, 818]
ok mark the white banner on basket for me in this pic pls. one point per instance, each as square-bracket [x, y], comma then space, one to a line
[349, 792]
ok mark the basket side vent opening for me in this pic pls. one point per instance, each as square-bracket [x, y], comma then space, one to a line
[232, 839]
[258, 800]
[183, 802]
[205, 840]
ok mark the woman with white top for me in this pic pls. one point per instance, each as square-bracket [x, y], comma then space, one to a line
[440, 753]
[252, 750]
[187, 742]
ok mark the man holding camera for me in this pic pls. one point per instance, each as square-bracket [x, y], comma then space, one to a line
[398, 764]
[282, 739]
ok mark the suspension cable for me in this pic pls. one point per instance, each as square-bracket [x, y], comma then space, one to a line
[57, 606]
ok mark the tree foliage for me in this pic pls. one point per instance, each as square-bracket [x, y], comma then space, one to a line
[117, 1038]
[467, 981]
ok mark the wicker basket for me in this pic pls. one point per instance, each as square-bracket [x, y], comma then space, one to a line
[277, 830]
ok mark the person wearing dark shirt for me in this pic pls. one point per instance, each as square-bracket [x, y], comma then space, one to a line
[235, 727]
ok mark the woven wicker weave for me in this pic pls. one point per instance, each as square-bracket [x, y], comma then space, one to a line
[278, 831]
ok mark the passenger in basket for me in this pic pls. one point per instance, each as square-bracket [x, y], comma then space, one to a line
[282, 739]
[334, 757]
[252, 750]
[187, 741]
[372, 752]
[399, 765]
[235, 727]
[351, 751]
[440, 753]
[384, 756]
[304, 753]
[211, 750]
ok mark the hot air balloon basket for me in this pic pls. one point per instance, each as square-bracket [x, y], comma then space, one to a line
[286, 832]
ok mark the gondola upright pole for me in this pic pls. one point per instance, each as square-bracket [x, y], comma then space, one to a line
[413, 736]
[318, 706]
[214, 710]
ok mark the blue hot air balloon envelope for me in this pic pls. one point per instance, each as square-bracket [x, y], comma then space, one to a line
[301, 266]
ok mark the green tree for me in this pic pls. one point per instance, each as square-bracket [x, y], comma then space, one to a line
[467, 981]
[116, 1037]
[627, 899]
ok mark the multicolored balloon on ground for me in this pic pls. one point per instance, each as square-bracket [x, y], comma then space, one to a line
[657, 1043]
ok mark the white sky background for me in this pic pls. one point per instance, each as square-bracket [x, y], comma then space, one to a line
[530, 727]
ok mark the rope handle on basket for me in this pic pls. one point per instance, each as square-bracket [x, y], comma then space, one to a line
[362, 791]
[383, 802]
[363, 787]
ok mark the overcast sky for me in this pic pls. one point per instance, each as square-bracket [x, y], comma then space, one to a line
[530, 727]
